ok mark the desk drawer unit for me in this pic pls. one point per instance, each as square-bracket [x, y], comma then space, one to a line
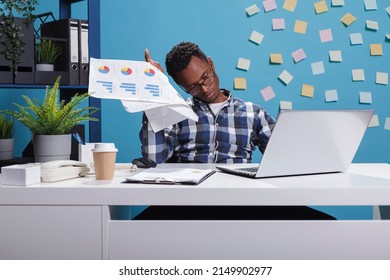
[50, 232]
[249, 240]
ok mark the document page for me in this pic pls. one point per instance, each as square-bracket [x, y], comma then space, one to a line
[157, 175]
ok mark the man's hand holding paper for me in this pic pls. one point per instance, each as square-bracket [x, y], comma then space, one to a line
[141, 87]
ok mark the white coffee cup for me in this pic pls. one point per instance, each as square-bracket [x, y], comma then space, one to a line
[104, 156]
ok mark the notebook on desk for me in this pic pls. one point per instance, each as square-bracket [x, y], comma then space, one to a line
[308, 142]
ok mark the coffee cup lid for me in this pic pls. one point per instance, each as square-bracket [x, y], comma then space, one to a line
[104, 147]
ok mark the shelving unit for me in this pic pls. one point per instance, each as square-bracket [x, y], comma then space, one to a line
[66, 92]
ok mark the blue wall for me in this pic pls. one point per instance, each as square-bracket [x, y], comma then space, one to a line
[222, 29]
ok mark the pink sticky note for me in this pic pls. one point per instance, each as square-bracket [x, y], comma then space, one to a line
[267, 93]
[326, 35]
[278, 24]
[269, 5]
[298, 55]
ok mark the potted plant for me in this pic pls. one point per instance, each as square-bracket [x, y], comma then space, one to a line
[47, 52]
[11, 36]
[51, 120]
[6, 137]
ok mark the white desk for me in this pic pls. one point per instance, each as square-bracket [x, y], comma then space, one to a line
[70, 219]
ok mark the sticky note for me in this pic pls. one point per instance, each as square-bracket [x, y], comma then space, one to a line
[376, 49]
[356, 38]
[348, 19]
[285, 77]
[256, 37]
[337, 3]
[252, 10]
[372, 25]
[267, 93]
[276, 58]
[243, 64]
[387, 124]
[335, 56]
[239, 83]
[326, 35]
[320, 7]
[278, 24]
[298, 55]
[358, 75]
[269, 5]
[307, 90]
[382, 78]
[285, 105]
[365, 97]
[300, 26]
[317, 68]
[370, 5]
[374, 121]
[290, 5]
[331, 95]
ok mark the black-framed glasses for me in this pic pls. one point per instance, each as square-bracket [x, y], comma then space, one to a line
[206, 82]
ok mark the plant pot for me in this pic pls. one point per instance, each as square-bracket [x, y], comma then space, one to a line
[6, 149]
[52, 147]
[44, 67]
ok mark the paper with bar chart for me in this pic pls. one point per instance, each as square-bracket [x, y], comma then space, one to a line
[141, 87]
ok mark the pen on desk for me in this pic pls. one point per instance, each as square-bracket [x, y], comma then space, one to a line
[78, 138]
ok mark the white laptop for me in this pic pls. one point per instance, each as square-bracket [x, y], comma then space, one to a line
[308, 142]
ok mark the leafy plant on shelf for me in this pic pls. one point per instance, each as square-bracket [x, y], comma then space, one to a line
[52, 117]
[6, 127]
[11, 36]
[47, 51]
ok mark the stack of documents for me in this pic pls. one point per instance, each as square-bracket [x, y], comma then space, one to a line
[141, 87]
[188, 176]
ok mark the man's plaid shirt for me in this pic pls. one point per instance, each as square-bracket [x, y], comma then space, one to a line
[229, 137]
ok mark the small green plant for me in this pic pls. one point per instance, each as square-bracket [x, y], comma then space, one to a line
[52, 117]
[47, 51]
[6, 127]
[11, 36]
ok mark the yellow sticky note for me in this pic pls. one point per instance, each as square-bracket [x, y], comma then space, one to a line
[348, 19]
[276, 58]
[320, 7]
[376, 49]
[290, 5]
[239, 83]
[300, 26]
[307, 90]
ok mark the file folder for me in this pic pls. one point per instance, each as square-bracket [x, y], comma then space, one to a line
[69, 62]
[84, 52]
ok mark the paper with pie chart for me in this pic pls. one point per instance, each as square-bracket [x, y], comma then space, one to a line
[141, 87]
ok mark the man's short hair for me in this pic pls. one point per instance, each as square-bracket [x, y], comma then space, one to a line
[180, 56]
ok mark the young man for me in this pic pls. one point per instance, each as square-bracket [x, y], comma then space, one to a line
[228, 130]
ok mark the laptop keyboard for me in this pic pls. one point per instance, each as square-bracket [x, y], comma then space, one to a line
[249, 169]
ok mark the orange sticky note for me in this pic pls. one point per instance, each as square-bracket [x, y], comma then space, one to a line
[239, 83]
[376, 49]
[348, 19]
[276, 58]
[290, 5]
[320, 7]
[307, 90]
[300, 26]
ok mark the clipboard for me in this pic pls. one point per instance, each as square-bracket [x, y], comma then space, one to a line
[171, 176]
